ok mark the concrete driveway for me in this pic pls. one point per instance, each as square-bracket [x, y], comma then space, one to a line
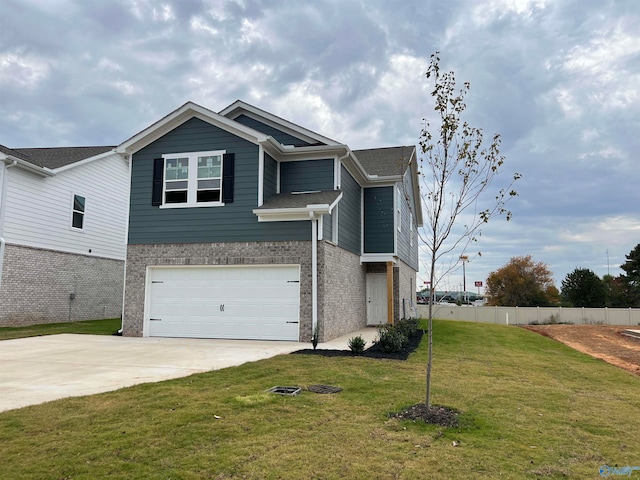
[40, 369]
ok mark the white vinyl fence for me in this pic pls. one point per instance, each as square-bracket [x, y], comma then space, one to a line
[532, 315]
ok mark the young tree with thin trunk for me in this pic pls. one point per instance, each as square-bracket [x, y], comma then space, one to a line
[456, 169]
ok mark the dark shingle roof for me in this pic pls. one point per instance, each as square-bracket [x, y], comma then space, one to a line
[385, 161]
[56, 157]
[300, 200]
[13, 153]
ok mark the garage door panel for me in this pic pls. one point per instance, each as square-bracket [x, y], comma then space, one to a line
[257, 302]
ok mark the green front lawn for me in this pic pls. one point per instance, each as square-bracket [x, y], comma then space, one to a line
[94, 327]
[533, 409]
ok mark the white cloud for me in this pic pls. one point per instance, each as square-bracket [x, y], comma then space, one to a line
[22, 69]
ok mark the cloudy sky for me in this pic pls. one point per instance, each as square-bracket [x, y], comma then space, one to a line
[559, 80]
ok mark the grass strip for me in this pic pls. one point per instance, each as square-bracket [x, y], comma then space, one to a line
[532, 408]
[94, 327]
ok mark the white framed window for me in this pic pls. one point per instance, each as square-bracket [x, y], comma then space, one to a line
[399, 207]
[192, 179]
[78, 206]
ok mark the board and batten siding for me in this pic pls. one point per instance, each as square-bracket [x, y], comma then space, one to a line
[407, 248]
[379, 222]
[233, 222]
[279, 135]
[349, 213]
[306, 176]
[38, 209]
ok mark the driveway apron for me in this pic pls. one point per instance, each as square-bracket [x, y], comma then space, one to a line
[40, 369]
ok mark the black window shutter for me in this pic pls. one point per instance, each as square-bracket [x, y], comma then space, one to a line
[228, 168]
[158, 175]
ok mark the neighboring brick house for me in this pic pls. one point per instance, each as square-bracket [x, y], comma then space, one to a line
[245, 225]
[63, 218]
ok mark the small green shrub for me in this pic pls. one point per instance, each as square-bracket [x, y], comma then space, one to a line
[357, 344]
[391, 339]
[408, 326]
[314, 337]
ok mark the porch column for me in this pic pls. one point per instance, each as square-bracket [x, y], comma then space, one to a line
[390, 292]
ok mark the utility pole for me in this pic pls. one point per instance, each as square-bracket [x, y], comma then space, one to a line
[608, 262]
[464, 259]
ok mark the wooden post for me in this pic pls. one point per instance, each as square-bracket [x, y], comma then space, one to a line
[389, 292]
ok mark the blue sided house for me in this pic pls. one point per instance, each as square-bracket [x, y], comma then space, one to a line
[244, 225]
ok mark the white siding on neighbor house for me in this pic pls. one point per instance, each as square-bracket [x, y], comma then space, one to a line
[38, 209]
[2, 169]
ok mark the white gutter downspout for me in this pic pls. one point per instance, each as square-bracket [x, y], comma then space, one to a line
[3, 199]
[314, 272]
[338, 184]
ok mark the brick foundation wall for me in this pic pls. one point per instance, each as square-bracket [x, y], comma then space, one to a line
[37, 283]
[343, 298]
[139, 257]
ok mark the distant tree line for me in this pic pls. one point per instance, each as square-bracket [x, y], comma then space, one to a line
[525, 283]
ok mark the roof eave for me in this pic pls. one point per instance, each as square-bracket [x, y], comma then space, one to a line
[86, 160]
[178, 117]
[282, 153]
[42, 171]
[239, 107]
[311, 211]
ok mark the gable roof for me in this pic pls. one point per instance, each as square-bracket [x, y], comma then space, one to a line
[178, 117]
[56, 157]
[387, 161]
[48, 162]
[239, 107]
[12, 153]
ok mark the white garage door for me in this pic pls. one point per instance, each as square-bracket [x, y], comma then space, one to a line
[244, 302]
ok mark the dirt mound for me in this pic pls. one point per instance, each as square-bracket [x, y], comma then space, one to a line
[605, 342]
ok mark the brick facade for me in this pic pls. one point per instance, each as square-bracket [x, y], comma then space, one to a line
[139, 257]
[37, 284]
[344, 292]
[341, 279]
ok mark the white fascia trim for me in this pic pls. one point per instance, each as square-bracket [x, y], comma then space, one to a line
[181, 115]
[42, 171]
[413, 165]
[291, 214]
[260, 175]
[284, 154]
[239, 107]
[362, 219]
[377, 258]
[358, 172]
[89, 160]
[296, 214]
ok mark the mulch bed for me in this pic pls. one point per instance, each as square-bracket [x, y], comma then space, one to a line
[372, 352]
[436, 415]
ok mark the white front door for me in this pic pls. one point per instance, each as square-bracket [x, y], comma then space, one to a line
[257, 302]
[376, 298]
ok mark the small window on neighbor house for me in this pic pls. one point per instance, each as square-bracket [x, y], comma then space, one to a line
[77, 217]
